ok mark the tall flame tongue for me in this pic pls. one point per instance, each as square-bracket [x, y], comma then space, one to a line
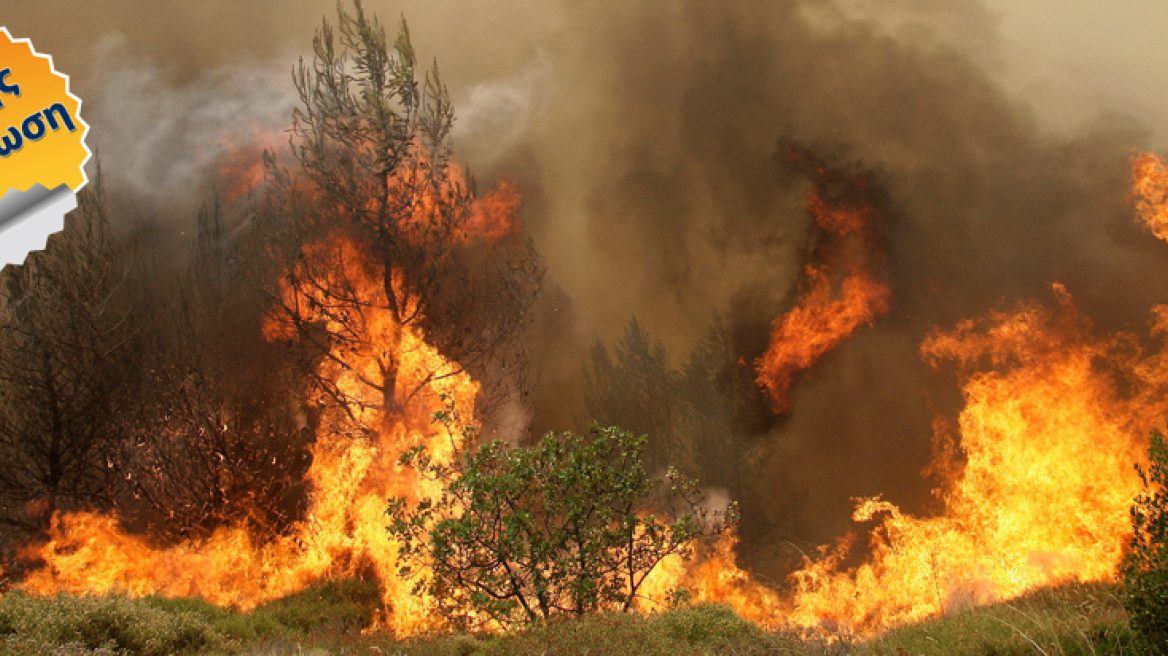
[1054, 419]
[354, 468]
[840, 291]
[344, 530]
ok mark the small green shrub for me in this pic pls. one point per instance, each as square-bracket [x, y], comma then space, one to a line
[236, 626]
[706, 624]
[529, 534]
[103, 624]
[1145, 567]
[340, 605]
[68, 626]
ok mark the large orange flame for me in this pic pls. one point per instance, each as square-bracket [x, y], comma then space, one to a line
[1055, 418]
[344, 530]
[1050, 432]
[1038, 479]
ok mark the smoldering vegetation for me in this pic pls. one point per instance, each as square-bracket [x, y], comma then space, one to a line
[647, 138]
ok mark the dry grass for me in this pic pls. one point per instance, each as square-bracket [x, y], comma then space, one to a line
[325, 620]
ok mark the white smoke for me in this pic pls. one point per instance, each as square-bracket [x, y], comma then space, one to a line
[494, 115]
[158, 139]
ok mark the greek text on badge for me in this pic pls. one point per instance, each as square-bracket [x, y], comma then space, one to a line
[42, 149]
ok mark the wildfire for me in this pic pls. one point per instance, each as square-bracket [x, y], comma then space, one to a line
[839, 295]
[495, 216]
[1055, 416]
[344, 530]
[713, 576]
[241, 165]
[1049, 441]
[368, 420]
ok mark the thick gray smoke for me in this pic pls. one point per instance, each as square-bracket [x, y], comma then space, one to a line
[644, 134]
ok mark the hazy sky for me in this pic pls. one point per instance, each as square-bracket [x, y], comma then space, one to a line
[1076, 57]
[1073, 58]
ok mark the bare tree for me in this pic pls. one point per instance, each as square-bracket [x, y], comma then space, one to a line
[217, 435]
[67, 357]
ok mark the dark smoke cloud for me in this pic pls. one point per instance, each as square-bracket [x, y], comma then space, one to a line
[684, 212]
[645, 134]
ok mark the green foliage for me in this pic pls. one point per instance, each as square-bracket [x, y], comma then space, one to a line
[234, 626]
[1068, 620]
[696, 630]
[707, 625]
[112, 625]
[342, 605]
[68, 625]
[1145, 567]
[528, 533]
[711, 629]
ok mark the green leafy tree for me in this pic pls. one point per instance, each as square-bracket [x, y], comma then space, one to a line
[1145, 568]
[523, 534]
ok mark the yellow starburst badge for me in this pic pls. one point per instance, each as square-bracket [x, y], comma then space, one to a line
[42, 149]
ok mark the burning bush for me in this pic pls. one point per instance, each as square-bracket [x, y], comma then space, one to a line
[388, 284]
